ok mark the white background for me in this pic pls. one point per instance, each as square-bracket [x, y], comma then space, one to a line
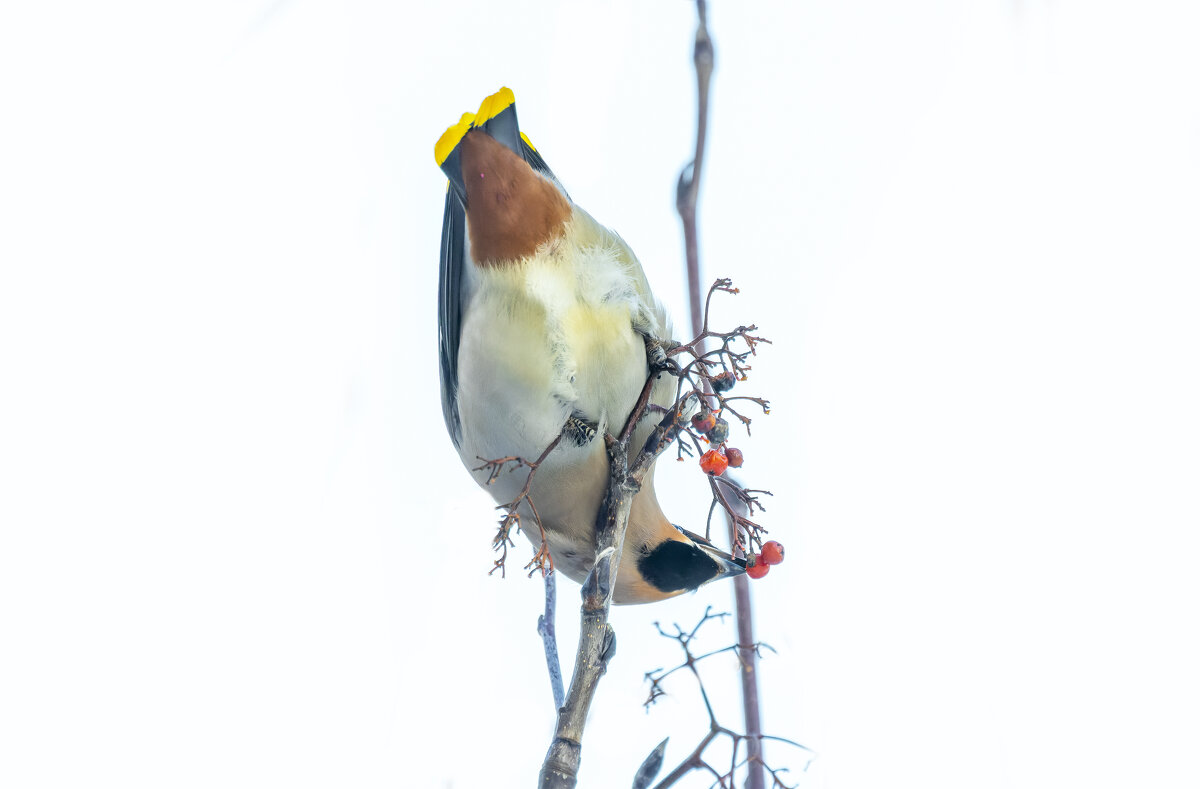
[238, 549]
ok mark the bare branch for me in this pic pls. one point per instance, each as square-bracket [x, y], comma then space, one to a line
[597, 640]
[686, 196]
[545, 627]
[695, 760]
[688, 188]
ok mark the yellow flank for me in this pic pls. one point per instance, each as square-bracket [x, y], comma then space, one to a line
[493, 105]
[452, 137]
[527, 142]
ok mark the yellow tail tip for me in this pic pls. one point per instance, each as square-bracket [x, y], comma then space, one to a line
[494, 104]
[452, 137]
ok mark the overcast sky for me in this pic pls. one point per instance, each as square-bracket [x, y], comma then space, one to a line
[237, 548]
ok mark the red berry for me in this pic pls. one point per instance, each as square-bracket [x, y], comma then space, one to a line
[759, 568]
[772, 552]
[704, 421]
[713, 462]
[734, 456]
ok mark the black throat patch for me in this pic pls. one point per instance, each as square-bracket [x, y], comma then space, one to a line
[675, 565]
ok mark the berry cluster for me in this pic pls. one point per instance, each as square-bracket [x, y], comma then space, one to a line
[760, 563]
[707, 375]
[715, 461]
[716, 430]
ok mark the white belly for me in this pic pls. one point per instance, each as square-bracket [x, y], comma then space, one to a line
[532, 354]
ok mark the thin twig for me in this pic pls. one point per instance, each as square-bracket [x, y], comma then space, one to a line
[542, 559]
[696, 759]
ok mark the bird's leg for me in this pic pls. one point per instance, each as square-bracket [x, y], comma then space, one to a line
[659, 362]
[656, 355]
[579, 430]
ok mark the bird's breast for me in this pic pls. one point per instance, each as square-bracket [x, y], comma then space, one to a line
[543, 341]
[543, 332]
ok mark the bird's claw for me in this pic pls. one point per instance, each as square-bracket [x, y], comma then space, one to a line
[657, 359]
[579, 430]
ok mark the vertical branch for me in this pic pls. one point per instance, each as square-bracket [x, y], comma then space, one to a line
[748, 666]
[545, 627]
[688, 189]
[597, 640]
[686, 196]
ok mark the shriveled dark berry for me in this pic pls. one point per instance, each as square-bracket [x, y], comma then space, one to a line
[719, 432]
[724, 381]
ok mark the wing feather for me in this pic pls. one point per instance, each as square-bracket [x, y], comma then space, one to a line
[451, 279]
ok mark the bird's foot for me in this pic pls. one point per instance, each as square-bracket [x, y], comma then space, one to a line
[657, 358]
[579, 430]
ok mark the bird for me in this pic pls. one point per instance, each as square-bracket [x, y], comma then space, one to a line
[545, 318]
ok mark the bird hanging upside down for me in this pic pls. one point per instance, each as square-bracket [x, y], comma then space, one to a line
[544, 320]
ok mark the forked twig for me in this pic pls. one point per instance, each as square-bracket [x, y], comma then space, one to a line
[696, 760]
[503, 539]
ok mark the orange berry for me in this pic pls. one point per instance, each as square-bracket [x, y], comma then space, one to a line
[713, 462]
[759, 568]
[772, 552]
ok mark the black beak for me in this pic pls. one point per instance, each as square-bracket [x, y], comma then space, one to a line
[729, 565]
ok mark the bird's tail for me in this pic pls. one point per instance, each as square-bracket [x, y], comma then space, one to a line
[496, 116]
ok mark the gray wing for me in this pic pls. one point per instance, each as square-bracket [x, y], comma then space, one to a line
[450, 284]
